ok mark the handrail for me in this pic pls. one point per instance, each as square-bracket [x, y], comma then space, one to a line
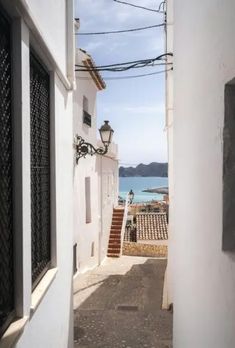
[124, 220]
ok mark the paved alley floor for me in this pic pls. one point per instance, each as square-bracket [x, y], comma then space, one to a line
[118, 305]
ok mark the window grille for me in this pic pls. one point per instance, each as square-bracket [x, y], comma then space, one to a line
[86, 118]
[40, 168]
[6, 199]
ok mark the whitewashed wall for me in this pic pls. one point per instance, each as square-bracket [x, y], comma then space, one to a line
[86, 233]
[47, 313]
[101, 171]
[51, 324]
[204, 275]
[169, 128]
[50, 18]
[109, 188]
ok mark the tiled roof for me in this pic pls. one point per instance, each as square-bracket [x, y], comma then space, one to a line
[151, 226]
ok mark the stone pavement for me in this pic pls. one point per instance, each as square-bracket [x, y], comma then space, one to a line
[118, 305]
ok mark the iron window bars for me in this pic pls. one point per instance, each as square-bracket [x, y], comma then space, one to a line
[6, 181]
[86, 118]
[40, 168]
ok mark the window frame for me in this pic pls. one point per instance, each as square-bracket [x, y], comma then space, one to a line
[34, 57]
[86, 117]
[12, 313]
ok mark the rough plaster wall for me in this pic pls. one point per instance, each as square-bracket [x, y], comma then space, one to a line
[142, 249]
[204, 275]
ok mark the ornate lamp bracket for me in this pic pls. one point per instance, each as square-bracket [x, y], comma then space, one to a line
[83, 148]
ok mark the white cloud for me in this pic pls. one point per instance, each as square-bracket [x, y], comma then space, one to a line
[92, 46]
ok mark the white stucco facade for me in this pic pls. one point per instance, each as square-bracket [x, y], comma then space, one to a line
[44, 314]
[203, 274]
[169, 130]
[99, 172]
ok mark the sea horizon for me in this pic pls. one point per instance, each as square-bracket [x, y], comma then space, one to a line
[140, 183]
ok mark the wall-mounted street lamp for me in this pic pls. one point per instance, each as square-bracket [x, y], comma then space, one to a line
[83, 148]
[131, 196]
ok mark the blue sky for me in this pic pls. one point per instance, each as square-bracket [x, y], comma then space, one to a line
[135, 107]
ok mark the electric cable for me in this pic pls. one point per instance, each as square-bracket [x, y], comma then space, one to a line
[119, 67]
[127, 77]
[123, 31]
[137, 6]
[162, 5]
[130, 62]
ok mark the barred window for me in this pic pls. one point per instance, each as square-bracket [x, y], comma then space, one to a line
[86, 115]
[6, 199]
[40, 168]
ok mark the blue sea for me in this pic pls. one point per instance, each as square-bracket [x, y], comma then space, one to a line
[137, 184]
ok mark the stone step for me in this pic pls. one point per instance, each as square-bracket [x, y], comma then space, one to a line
[117, 218]
[113, 255]
[113, 251]
[115, 242]
[116, 226]
[115, 229]
[120, 216]
[115, 235]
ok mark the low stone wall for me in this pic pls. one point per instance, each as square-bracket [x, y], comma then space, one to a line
[147, 250]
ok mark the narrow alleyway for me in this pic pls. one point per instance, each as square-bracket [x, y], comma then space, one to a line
[118, 305]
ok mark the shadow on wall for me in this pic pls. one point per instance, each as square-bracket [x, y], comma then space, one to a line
[125, 308]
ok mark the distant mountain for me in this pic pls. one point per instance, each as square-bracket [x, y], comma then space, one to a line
[152, 169]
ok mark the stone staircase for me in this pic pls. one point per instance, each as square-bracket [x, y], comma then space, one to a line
[114, 246]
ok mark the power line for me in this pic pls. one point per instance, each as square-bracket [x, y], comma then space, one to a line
[131, 62]
[119, 67]
[128, 77]
[141, 7]
[162, 4]
[123, 31]
[136, 76]
[134, 67]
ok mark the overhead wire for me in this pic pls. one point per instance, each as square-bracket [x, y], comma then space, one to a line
[122, 31]
[119, 67]
[125, 63]
[162, 4]
[137, 6]
[128, 77]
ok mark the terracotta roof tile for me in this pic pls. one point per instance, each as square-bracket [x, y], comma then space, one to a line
[151, 226]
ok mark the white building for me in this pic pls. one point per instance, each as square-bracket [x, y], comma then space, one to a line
[202, 173]
[36, 173]
[95, 177]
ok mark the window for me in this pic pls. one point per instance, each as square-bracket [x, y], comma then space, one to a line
[40, 168]
[85, 104]
[88, 199]
[6, 179]
[86, 115]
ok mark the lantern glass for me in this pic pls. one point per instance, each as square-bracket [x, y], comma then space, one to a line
[106, 133]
